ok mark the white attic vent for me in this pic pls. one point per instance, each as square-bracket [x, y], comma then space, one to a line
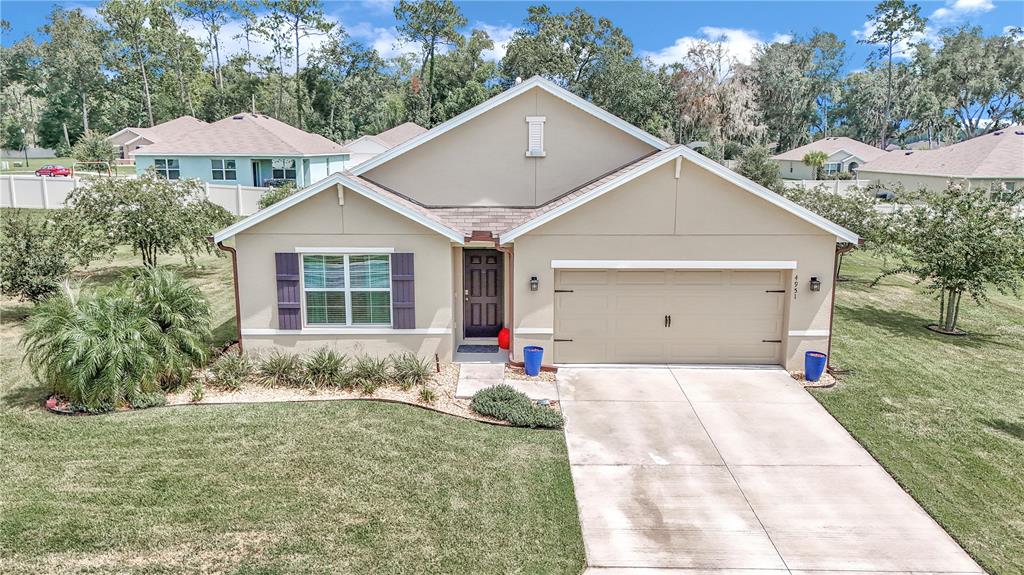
[535, 140]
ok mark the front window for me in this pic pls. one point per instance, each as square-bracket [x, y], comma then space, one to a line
[832, 167]
[224, 170]
[347, 289]
[1003, 191]
[167, 168]
[283, 169]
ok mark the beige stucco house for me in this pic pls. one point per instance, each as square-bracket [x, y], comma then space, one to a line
[845, 155]
[994, 161]
[539, 211]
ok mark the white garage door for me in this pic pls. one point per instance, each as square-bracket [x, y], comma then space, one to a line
[669, 316]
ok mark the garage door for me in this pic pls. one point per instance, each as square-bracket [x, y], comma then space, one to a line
[669, 316]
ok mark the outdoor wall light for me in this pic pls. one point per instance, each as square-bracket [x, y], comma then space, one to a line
[815, 284]
[534, 283]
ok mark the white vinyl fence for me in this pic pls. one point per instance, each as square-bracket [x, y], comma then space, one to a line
[48, 193]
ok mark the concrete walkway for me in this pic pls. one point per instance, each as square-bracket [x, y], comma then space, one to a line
[729, 470]
[476, 376]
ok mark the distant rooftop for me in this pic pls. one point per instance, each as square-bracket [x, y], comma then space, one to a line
[245, 134]
[999, 154]
[832, 145]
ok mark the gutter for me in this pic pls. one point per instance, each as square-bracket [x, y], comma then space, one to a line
[234, 280]
[840, 250]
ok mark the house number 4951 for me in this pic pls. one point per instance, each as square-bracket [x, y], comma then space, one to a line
[796, 283]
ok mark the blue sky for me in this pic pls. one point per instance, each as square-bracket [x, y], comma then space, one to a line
[660, 30]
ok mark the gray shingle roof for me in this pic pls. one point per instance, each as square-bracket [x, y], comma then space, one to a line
[245, 134]
[999, 154]
[832, 145]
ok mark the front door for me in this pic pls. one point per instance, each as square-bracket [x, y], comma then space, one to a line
[256, 179]
[482, 293]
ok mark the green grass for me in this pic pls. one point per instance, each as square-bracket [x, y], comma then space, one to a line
[943, 414]
[36, 163]
[334, 487]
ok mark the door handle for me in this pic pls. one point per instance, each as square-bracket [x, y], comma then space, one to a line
[670, 320]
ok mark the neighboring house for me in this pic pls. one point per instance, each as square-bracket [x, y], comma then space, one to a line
[539, 211]
[128, 140]
[994, 161]
[844, 155]
[365, 147]
[245, 149]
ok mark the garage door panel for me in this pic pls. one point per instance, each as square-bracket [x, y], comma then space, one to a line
[718, 316]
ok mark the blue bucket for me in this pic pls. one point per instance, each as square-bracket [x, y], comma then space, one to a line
[814, 365]
[532, 356]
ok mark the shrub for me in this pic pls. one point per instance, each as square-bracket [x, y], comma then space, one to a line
[326, 367]
[97, 350]
[197, 391]
[756, 163]
[180, 311]
[280, 369]
[231, 371]
[369, 373]
[409, 370]
[93, 149]
[427, 395]
[505, 403]
[33, 252]
[144, 400]
[276, 194]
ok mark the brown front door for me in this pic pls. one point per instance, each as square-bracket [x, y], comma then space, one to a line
[482, 292]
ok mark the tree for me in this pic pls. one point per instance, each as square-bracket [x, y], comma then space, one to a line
[463, 77]
[300, 19]
[893, 23]
[34, 255]
[151, 214]
[979, 78]
[757, 165]
[129, 22]
[866, 113]
[93, 149]
[431, 24]
[212, 15]
[962, 240]
[816, 160]
[73, 57]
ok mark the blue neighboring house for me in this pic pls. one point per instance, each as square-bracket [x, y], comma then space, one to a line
[245, 149]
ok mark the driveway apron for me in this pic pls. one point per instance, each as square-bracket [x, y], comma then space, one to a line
[732, 470]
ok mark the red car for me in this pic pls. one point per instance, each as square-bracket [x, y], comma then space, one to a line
[51, 170]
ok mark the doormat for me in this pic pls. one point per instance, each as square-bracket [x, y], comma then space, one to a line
[477, 349]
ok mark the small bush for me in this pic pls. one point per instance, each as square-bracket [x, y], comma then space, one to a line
[34, 255]
[231, 371]
[326, 368]
[280, 369]
[93, 149]
[505, 403]
[276, 194]
[369, 373]
[427, 395]
[409, 370]
[197, 391]
[153, 399]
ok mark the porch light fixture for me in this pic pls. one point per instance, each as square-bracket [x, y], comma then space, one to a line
[534, 283]
[815, 284]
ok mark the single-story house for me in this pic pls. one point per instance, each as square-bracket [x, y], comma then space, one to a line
[369, 145]
[245, 149]
[994, 161]
[542, 212]
[127, 140]
[844, 155]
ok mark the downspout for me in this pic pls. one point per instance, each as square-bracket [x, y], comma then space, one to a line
[840, 250]
[511, 295]
[234, 279]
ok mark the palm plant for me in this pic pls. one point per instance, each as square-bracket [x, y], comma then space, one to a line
[182, 315]
[95, 349]
[816, 160]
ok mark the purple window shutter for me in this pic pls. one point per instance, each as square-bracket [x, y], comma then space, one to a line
[289, 307]
[403, 292]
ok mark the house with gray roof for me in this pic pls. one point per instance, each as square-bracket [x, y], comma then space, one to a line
[367, 146]
[844, 155]
[245, 149]
[127, 140]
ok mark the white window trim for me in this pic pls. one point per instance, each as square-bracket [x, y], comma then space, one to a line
[339, 330]
[167, 168]
[284, 171]
[348, 295]
[340, 251]
[223, 170]
[672, 265]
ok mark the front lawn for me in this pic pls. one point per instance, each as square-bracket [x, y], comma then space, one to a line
[322, 487]
[943, 414]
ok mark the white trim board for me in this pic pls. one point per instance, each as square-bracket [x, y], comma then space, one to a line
[345, 250]
[534, 331]
[333, 180]
[536, 81]
[348, 331]
[672, 265]
[712, 166]
[809, 333]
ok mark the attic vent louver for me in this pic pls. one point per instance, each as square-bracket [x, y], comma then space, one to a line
[535, 138]
[237, 117]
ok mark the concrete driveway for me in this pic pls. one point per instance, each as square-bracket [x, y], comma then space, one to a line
[733, 469]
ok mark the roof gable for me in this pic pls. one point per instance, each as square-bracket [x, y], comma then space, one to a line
[831, 145]
[245, 134]
[507, 95]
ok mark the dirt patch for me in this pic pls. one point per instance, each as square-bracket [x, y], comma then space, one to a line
[520, 373]
[826, 379]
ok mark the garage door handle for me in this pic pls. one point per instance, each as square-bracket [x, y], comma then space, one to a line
[774, 291]
[771, 341]
[556, 339]
[563, 291]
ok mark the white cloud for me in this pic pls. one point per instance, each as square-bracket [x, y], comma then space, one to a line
[956, 9]
[902, 50]
[501, 36]
[739, 44]
[384, 40]
[232, 40]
